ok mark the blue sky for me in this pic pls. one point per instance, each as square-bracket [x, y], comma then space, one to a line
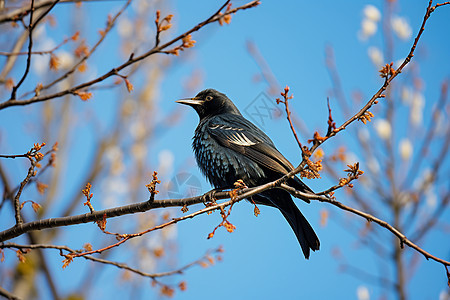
[262, 259]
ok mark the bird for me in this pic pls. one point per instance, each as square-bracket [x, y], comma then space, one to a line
[228, 147]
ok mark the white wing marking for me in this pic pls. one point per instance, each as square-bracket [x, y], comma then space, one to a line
[239, 138]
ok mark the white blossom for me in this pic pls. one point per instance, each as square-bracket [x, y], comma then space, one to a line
[372, 13]
[431, 197]
[362, 293]
[405, 149]
[129, 107]
[368, 28]
[114, 188]
[404, 198]
[406, 95]
[125, 27]
[416, 112]
[139, 150]
[401, 28]
[383, 129]
[363, 134]
[114, 155]
[66, 60]
[138, 130]
[376, 56]
[165, 161]
[373, 165]
[141, 6]
[40, 65]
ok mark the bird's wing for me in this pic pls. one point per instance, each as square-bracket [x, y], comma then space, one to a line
[237, 133]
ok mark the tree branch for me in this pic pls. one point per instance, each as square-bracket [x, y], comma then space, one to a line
[30, 46]
[113, 263]
[132, 59]
[18, 230]
[403, 239]
[7, 294]
[20, 13]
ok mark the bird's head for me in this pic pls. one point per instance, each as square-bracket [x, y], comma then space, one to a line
[210, 102]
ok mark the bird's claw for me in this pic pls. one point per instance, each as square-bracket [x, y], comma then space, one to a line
[209, 196]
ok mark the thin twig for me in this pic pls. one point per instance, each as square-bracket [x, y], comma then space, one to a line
[113, 263]
[132, 59]
[377, 95]
[37, 52]
[22, 12]
[109, 26]
[17, 209]
[403, 239]
[8, 295]
[30, 46]
[288, 114]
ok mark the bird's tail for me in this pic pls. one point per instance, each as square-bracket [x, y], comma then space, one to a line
[305, 234]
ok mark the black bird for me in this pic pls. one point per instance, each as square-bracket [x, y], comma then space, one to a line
[228, 147]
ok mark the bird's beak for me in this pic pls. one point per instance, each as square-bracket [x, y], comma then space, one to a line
[191, 101]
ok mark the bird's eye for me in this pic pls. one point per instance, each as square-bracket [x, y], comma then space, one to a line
[209, 98]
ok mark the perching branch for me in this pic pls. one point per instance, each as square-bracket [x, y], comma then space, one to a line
[241, 194]
[98, 215]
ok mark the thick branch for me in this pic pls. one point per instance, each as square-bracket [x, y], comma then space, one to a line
[18, 230]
